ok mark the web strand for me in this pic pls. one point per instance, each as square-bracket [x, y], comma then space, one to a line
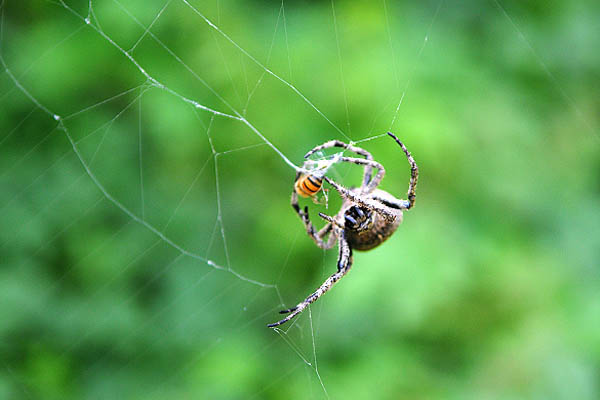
[343, 81]
[111, 198]
[416, 63]
[267, 70]
[566, 97]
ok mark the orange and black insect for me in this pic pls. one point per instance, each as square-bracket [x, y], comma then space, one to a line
[308, 185]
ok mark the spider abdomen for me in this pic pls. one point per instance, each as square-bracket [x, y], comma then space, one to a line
[380, 228]
[377, 234]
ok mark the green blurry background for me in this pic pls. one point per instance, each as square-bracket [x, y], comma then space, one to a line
[489, 289]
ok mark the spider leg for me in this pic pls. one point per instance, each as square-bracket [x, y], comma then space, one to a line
[332, 237]
[369, 187]
[414, 172]
[310, 229]
[288, 310]
[344, 264]
[355, 149]
[398, 204]
[368, 203]
[331, 220]
[328, 228]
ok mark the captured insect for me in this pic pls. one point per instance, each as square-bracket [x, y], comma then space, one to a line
[368, 215]
[308, 184]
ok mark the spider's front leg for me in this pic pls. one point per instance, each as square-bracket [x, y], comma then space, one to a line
[366, 202]
[331, 220]
[355, 149]
[398, 204]
[370, 186]
[414, 173]
[344, 264]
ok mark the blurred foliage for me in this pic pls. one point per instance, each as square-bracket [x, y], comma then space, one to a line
[488, 290]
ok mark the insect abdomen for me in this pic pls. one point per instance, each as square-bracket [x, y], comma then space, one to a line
[308, 185]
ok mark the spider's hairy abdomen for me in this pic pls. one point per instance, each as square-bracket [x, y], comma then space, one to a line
[379, 231]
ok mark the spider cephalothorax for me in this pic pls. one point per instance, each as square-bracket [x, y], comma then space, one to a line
[358, 219]
[371, 229]
[368, 215]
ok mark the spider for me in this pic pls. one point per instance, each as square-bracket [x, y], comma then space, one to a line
[368, 216]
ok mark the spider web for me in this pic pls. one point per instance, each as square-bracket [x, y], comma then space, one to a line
[137, 190]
